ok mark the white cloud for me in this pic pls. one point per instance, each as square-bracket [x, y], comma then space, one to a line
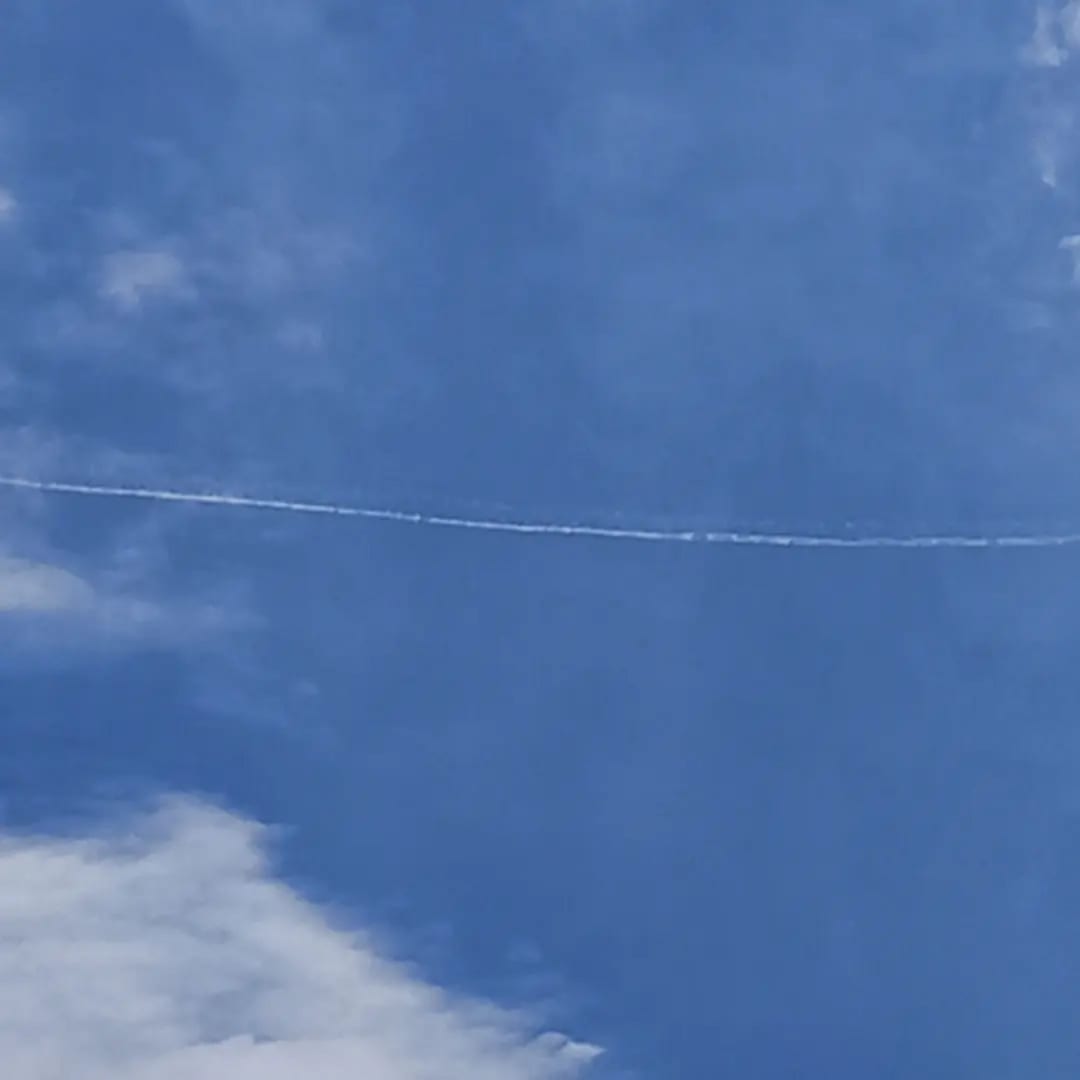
[127, 277]
[37, 587]
[30, 588]
[1044, 49]
[165, 951]
[48, 612]
[1056, 33]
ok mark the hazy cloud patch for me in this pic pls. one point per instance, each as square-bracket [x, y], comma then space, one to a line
[37, 587]
[129, 277]
[1055, 36]
[1045, 49]
[9, 206]
[48, 610]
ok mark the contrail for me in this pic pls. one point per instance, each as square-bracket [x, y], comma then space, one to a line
[501, 525]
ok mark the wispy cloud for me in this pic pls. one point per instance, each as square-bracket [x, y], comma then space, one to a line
[8, 206]
[43, 601]
[50, 611]
[166, 949]
[1046, 48]
[1055, 36]
[129, 277]
[1052, 47]
[1069, 18]
[1071, 244]
[228, 268]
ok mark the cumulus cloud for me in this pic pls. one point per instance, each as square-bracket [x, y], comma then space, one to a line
[166, 950]
[128, 277]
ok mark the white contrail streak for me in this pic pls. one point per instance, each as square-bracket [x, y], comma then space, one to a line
[746, 539]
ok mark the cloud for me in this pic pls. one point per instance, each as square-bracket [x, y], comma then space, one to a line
[62, 601]
[49, 613]
[38, 587]
[1071, 244]
[1054, 116]
[227, 272]
[1045, 49]
[1056, 35]
[1069, 18]
[8, 206]
[165, 950]
[127, 277]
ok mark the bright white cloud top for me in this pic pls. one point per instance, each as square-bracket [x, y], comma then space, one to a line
[165, 950]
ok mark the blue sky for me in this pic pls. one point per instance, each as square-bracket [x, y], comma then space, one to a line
[286, 794]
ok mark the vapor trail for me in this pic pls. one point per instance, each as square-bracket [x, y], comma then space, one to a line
[502, 525]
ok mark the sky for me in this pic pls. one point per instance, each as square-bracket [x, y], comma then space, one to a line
[291, 795]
